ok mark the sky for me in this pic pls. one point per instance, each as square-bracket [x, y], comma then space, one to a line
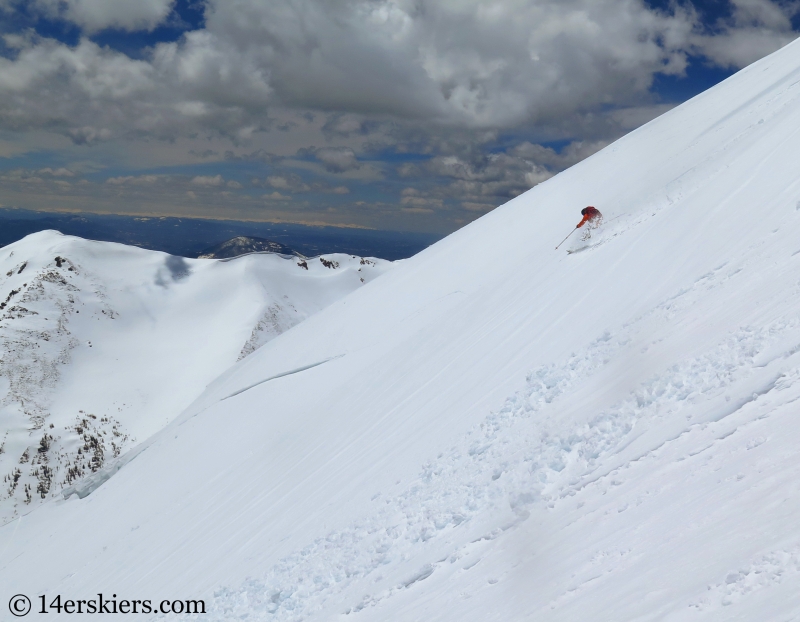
[403, 115]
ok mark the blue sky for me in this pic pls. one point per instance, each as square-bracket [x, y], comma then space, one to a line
[384, 114]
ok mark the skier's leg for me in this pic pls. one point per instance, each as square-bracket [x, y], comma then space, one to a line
[594, 223]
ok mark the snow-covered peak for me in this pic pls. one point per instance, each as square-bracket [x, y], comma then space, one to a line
[242, 245]
[103, 344]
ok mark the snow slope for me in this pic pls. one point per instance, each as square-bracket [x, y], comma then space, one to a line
[606, 435]
[104, 344]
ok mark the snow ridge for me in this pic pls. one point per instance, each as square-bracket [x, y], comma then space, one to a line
[92, 335]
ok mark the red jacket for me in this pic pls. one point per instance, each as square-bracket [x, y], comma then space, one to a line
[589, 213]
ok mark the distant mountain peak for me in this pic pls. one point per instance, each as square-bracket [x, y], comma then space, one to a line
[83, 328]
[244, 245]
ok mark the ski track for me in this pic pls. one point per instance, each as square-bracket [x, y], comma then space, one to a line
[517, 458]
[756, 574]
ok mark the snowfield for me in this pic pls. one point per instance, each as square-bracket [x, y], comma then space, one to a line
[104, 344]
[532, 435]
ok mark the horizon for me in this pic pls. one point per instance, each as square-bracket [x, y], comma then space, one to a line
[189, 237]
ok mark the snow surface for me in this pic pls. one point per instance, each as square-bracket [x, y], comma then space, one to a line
[104, 344]
[532, 435]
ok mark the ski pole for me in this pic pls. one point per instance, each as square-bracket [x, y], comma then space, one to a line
[565, 239]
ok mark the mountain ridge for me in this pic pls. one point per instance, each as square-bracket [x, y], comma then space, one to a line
[96, 335]
[242, 245]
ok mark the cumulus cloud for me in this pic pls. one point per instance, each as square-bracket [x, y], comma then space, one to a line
[57, 172]
[79, 91]
[500, 175]
[45, 175]
[336, 159]
[539, 156]
[293, 183]
[288, 182]
[137, 180]
[345, 125]
[465, 63]
[307, 85]
[412, 198]
[208, 181]
[22, 176]
[755, 29]
[276, 196]
[94, 15]
[478, 182]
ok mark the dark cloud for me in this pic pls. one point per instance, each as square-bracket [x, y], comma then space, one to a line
[345, 125]
[467, 63]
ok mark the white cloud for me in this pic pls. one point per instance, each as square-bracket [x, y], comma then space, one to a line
[337, 159]
[412, 198]
[421, 202]
[444, 78]
[463, 62]
[288, 182]
[467, 63]
[764, 14]
[137, 180]
[291, 182]
[59, 172]
[276, 196]
[79, 91]
[538, 156]
[756, 28]
[480, 182]
[94, 15]
[740, 47]
[208, 181]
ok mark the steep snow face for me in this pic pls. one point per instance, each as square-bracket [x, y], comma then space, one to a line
[103, 344]
[608, 434]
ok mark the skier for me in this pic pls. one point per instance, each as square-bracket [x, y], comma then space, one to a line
[591, 215]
